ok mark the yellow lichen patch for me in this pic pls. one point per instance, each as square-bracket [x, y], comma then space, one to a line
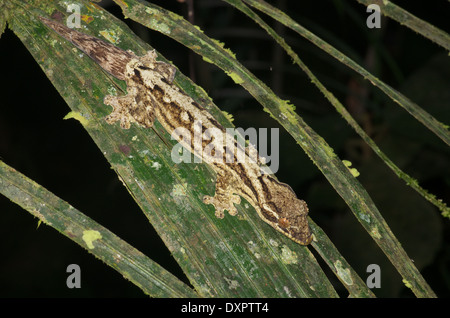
[198, 28]
[111, 36]
[236, 78]
[77, 116]
[353, 171]
[228, 116]
[222, 45]
[207, 60]
[89, 236]
[87, 18]
[231, 53]
[288, 111]
[270, 113]
[286, 105]
[407, 283]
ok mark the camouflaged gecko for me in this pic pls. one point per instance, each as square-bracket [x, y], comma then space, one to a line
[151, 94]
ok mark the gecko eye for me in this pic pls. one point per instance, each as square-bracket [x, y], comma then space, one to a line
[284, 223]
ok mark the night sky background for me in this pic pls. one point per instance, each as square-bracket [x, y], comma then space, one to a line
[60, 155]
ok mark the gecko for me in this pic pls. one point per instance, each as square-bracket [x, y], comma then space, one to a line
[152, 94]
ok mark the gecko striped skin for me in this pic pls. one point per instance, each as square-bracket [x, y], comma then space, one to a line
[151, 94]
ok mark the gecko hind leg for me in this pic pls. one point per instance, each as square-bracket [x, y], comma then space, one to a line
[224, 198]
[120, 111]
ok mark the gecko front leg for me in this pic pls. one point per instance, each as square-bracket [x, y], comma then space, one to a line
[129, 108]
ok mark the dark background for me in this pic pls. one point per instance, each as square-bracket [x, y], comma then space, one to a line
[60, 155]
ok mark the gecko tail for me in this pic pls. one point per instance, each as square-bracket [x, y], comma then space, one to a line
[111, 58]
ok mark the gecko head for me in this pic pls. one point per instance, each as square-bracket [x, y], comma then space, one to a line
[285, 212]
[293, 222]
